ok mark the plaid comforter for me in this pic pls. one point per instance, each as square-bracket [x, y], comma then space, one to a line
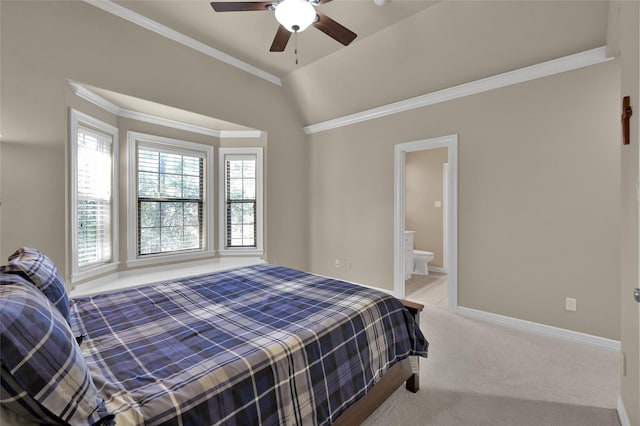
[257, 345]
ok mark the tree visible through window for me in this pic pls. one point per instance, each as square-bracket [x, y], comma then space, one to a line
[241, 201]
[170, 201]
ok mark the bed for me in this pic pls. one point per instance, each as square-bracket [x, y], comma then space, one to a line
[262, 344]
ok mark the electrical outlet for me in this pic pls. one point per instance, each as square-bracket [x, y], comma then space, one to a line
[337, 263]
[570, 304]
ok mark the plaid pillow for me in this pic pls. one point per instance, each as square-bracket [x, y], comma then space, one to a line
[43, 375]
[43, 273]
[14, 399]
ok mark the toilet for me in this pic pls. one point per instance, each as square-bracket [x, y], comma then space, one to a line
[421, 261]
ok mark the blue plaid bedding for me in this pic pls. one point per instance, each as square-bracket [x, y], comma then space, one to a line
[261, 345]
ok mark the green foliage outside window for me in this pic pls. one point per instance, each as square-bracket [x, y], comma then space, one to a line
[170, 202]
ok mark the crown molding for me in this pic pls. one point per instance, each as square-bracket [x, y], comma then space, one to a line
[544, 69]
[167, 122]
[240, 134]
[151, 25]
[90, 96]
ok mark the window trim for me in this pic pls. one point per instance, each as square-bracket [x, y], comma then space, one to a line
[77, 119]
[222, 218]
[176, 145]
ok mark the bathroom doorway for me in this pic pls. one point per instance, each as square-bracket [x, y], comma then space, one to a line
[438, 232]
[425, 205]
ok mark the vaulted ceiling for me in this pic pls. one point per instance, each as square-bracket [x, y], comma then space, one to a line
[404, 48]
[248, 35]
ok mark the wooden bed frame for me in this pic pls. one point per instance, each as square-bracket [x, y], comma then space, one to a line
[388, 384]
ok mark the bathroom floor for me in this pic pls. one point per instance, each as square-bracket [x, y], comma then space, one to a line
[429, 289]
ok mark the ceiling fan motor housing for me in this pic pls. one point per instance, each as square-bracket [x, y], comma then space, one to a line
[295, 15]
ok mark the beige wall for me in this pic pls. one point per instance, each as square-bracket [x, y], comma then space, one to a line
[45, 44]
[624, 40]
[423, 187]
[538, 197]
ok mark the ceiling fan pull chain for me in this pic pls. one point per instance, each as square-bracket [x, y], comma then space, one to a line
[295, 39]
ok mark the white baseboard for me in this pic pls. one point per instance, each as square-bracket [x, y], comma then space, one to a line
[622, 413]
[437, 269]
[535, 327]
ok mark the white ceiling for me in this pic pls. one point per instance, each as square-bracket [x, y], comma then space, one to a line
[247, 36]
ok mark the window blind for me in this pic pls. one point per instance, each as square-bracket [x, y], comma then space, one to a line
[170, 200]
[240, 197]
[94, 203]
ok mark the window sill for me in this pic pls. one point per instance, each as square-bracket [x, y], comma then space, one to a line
[136, 278]
[241, 252]
[94, 272]
[168, 258]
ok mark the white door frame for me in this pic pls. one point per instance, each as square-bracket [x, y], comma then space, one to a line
[450, 142]
[445, 217]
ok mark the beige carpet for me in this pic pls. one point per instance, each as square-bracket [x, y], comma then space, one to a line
[483, 374]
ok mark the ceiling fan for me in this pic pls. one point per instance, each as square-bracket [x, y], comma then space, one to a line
[293, 16]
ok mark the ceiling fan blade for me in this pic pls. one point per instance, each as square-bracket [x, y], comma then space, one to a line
[280, 40]
[240, 6]
[334, 30]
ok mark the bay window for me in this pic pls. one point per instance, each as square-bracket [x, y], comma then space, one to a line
[169, 201]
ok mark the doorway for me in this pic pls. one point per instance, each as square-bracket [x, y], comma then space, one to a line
[450, 222]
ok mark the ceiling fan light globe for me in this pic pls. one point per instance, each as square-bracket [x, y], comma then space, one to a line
[295, 13]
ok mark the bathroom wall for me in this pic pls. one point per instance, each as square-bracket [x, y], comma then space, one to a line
[423, 187]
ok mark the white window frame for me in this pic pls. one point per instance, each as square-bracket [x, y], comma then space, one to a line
[222, 244]
[77, 119]
[133, 139]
